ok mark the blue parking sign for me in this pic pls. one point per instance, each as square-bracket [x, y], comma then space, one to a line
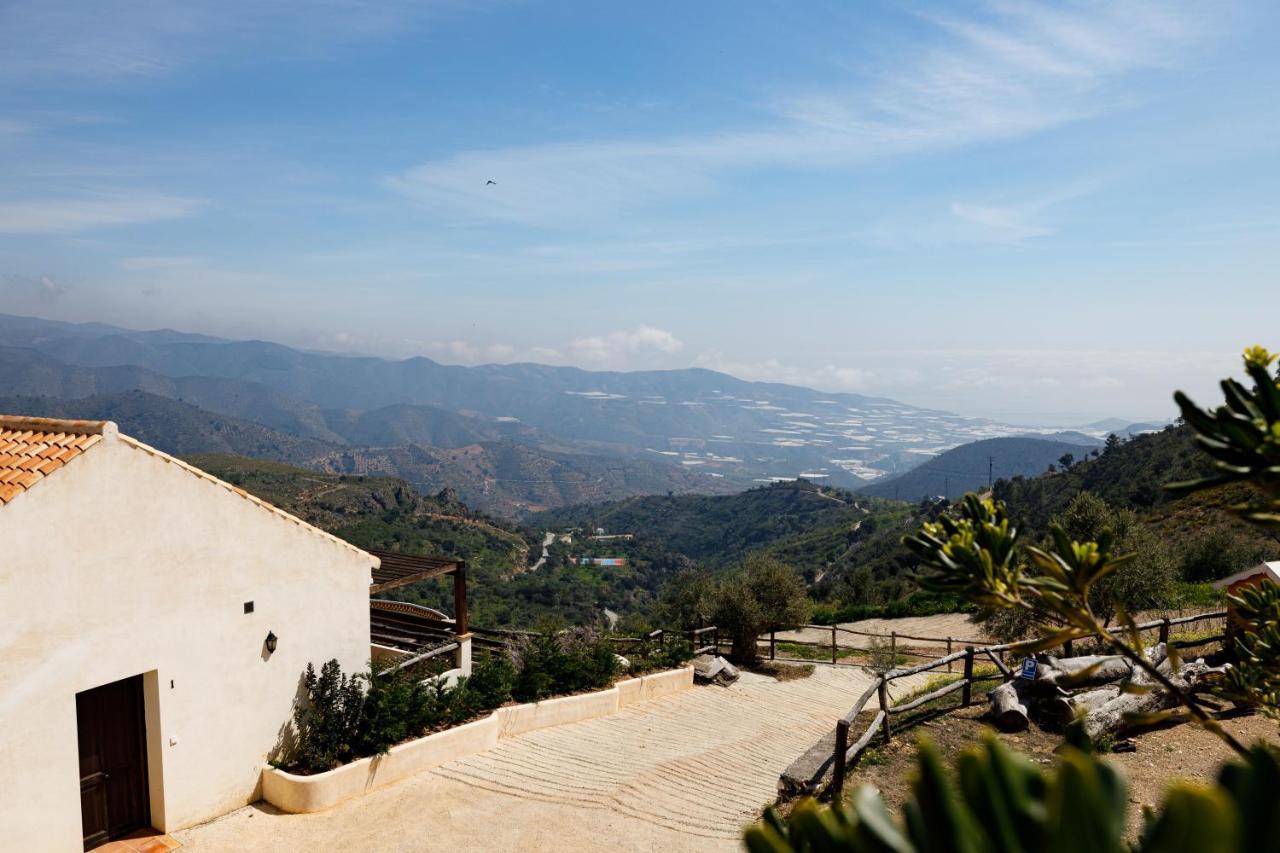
[1028, 669]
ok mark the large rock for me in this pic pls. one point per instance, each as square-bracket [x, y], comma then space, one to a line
[713, 669]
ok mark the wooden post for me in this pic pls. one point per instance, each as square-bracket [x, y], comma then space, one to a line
[833, 643]
[662, 637]
[773, 644]
[1066, 649]
[883, 690]
[893, 648]
[460, 599]
[1164, 630]
[842, 746]
[966, 695]
[948, 653]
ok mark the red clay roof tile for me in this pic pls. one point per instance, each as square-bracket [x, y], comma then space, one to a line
[33, 448]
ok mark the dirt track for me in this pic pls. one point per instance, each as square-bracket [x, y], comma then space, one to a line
[685, 772]
[956, 625]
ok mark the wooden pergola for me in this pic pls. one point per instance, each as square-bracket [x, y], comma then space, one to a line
[399, 569]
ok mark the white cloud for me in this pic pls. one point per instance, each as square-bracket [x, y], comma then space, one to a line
[618, 347]
[101, 210]
[1012, 71]
[1000, 223]
[136, 38]
[466, 352]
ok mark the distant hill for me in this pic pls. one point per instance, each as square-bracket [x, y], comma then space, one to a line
[716, 530]
[967, 468]
[174, 427]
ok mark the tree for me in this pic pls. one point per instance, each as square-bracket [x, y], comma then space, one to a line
[1145, 580]
[1112, 442]
[761, 594]
[688, 599]
[1066, 460]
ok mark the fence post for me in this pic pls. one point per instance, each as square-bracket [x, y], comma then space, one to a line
[883, 690]
[967, 694]
[948, 654]
[842, 746]
[1164, 630]
[833, 643]
[1067, 649]
[773, 644]
[893, 648]
[662, 636]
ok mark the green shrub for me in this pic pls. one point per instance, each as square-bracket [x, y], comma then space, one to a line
[566, 662]
[651, 657]
[328, 723]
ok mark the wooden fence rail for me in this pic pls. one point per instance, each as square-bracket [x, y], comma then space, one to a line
[845, 754]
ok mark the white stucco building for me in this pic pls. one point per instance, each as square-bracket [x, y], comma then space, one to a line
[137, 595]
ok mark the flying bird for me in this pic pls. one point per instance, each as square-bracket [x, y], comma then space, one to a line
[487, 183]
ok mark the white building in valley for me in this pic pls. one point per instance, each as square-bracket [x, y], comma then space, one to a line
[154, 624]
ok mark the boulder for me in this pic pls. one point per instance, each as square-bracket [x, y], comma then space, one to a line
[713, 669]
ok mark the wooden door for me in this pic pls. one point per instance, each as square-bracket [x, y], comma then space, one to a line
[111, 726]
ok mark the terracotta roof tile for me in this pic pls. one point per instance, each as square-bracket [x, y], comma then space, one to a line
[33, 448]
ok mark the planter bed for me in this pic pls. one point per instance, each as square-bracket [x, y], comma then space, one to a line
[296, 794]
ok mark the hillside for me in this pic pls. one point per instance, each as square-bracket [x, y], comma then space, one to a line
[716, 530]
[504, 477]
[175, 427]
[1206, 541]
[967, 468]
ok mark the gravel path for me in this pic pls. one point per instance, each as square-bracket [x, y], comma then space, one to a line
[684, 772]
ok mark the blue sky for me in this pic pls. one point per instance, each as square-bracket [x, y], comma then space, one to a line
[1041, 212]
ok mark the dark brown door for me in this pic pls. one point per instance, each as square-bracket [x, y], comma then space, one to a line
[113, 761]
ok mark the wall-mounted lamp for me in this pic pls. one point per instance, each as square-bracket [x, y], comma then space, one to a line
[272, 639]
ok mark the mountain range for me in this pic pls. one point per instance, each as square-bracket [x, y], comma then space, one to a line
[511, 438]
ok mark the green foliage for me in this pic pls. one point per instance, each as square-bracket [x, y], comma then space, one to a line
[763, 594]
[1147, 577]
[1242, 437]
[328, 723]
[567, 662]
[655, 657]
[1255, 679]
[998, 801]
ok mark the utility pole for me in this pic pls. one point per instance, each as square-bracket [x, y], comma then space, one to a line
[946, 489]
[991, 466]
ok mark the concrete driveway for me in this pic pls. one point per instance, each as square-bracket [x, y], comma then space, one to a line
[684, 772]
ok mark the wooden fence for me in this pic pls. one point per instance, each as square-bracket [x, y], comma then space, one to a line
[801, 777]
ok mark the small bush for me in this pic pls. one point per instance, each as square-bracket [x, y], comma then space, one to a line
[328, 724]
[567, 662]
[651, 657]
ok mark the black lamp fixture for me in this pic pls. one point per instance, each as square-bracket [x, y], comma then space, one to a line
[272, 639]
